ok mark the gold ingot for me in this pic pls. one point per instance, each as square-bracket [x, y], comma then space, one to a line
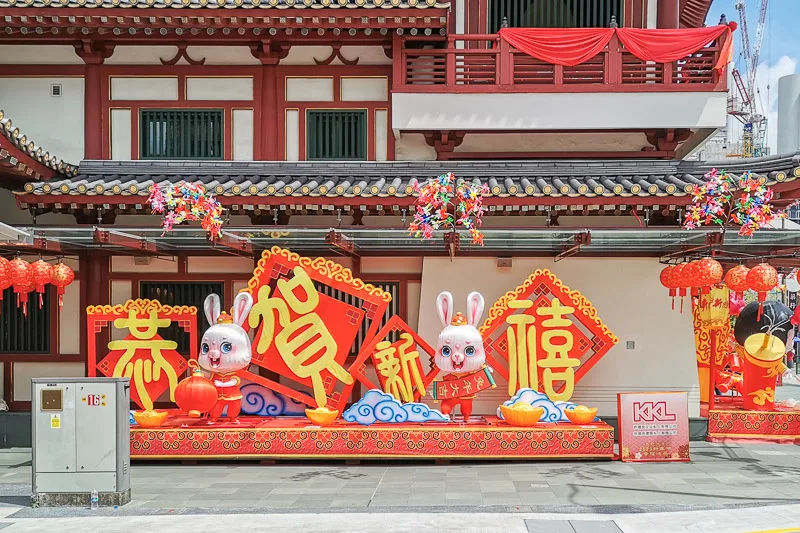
[581, 414]
[322, 416]
[522, 414]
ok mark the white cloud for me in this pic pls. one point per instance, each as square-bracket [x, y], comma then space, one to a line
[766, 76]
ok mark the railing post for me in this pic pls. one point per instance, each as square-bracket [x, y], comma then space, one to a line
[399, 67]
[504, 64]
[613, 66]
[450, 64]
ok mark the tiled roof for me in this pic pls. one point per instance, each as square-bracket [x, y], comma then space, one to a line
[226, 4]
[569, 179]
[31, 149]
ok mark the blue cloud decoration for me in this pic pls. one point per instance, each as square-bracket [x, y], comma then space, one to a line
[553, 411]
[131, 419]
[378, 406]
[258, 400]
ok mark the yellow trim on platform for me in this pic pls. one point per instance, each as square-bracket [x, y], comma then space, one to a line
[387, 427]
[367, 456]
[755, 436]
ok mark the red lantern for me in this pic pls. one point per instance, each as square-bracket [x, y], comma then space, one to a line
[679, 279]
[736, 280]
[5, 276]
[691, 277]
[668, 280]
[22, 280]
[710, 273]
[196, 394]
[62, 276]
[762, 279]
[42, 274]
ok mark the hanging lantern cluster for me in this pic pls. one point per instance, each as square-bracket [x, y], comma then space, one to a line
[736, 280]
[693, 278]
[26, 277]
[762, 279]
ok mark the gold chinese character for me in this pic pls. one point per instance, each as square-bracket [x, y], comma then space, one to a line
[145, 371]
[312, 336]
[399, 367]
[522, 370]
[557, 352]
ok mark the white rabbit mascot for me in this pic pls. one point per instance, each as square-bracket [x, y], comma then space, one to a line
[460, 354]
[224, 350]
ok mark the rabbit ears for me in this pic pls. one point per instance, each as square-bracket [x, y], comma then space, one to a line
[444, 306]
[241, 307]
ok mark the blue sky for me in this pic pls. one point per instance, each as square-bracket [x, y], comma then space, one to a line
[780, 51]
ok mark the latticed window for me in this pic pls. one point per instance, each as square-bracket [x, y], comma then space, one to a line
[182, 293]
[20, 334]
[336, 135]
[181, 134]
[392, 288]
[554, 13]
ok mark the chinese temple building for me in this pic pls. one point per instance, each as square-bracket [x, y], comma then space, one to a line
[312, 122]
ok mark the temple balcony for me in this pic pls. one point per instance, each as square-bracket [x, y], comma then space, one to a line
[477, 85]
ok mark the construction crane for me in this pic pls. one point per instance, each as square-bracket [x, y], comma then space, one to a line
[747, 110]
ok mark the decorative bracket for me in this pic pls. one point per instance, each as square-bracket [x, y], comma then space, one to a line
[667, 140]
[340, 242]
[336, 52]
[182, 53]
[579, 240]
[94, 52]
[124, 240]
[268, 52]
[452, 243]
[444, 142]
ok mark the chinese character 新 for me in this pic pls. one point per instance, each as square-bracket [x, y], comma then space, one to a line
[299, 340]
[557, 343]
[143, 371]
[399, 368]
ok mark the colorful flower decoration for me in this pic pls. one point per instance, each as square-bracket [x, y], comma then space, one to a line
[187, 201]
[433, 200]
[725, 199]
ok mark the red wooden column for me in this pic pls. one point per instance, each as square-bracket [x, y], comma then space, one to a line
[667, 14]
[93, 54]
[268, 130]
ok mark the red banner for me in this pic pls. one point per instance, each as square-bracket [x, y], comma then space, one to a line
[572, 46]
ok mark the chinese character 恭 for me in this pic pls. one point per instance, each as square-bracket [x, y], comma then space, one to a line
[399, 368]
[522, 369]
[302, 339]
[143, 371]
[557, 343]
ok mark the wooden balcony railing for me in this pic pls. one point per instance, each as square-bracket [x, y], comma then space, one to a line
[484, 64]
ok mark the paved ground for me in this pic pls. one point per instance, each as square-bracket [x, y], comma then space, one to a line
[720, 476]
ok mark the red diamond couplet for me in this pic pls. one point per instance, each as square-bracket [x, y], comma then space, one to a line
[544, 336]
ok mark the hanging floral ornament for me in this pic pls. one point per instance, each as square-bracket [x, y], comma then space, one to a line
[62, 276]
[5, 276]
[762, 279]
[668, 280]
[709, 273]
[736, 280]
[42, 274]
[436, 196]
[22, 281]
[187, 201]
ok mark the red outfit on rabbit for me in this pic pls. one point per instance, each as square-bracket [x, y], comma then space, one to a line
[459, 349]
[224, 350]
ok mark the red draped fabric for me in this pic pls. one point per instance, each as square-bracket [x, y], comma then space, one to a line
[561, 46]
[665, 46]
[572, 46]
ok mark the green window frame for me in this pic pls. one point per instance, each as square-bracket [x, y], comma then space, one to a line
[181, 134]
[554, 13]
[336, 135]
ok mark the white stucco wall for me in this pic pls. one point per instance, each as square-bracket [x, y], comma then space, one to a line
[628, 298]
[555, 111]
[55, 123]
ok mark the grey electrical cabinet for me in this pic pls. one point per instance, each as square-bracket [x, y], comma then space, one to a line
[81, 440]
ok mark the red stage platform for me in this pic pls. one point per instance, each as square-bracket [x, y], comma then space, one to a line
[767, 426]
[295, 438]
